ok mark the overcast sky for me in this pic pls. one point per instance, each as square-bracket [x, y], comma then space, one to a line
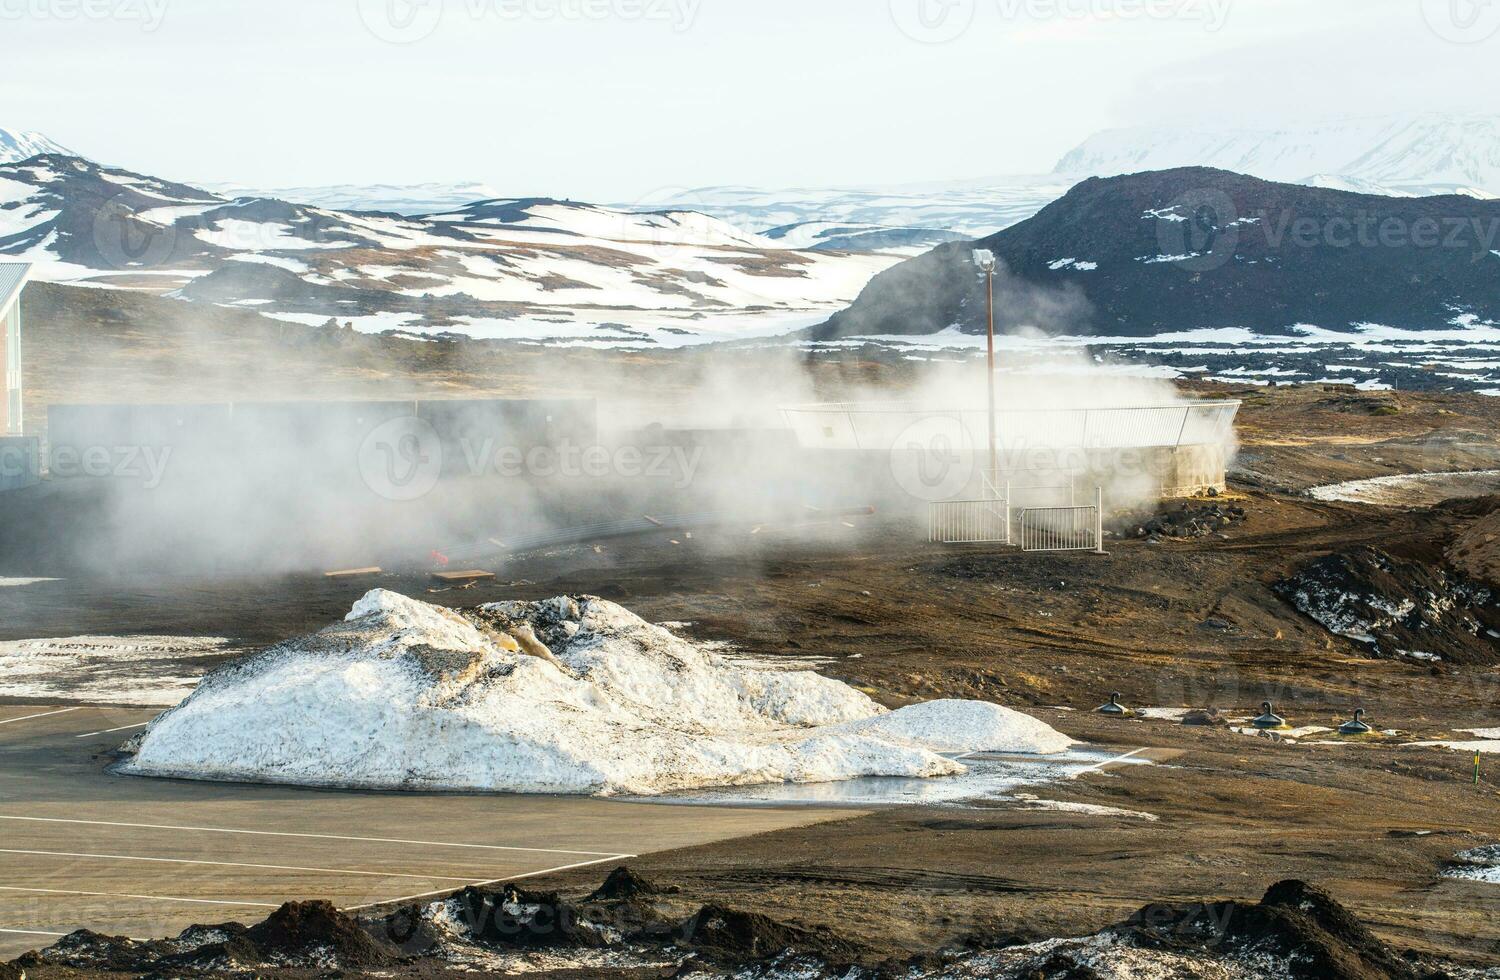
[616, 100]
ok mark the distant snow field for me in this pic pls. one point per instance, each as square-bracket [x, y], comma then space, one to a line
[575, 696]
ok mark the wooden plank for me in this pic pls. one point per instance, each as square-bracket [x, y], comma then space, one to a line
[354, 572]
[459, 578]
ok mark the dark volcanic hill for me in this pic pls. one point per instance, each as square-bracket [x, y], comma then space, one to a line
[1183, 249]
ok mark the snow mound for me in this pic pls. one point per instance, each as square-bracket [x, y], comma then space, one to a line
[569, 695]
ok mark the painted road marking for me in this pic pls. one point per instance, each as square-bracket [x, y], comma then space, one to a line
[494, 881]
[276, 833]
[233, 864]
[1109, 762]
[149, 898]
[32, 932]
[44, 714]
[111, 731]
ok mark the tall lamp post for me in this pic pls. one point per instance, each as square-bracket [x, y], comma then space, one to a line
[985, 259]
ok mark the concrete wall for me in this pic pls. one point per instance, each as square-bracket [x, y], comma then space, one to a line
[20, 463]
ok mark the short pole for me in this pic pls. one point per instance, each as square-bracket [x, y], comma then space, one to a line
[1099, 521]
[1008, 542]
[1476, 768]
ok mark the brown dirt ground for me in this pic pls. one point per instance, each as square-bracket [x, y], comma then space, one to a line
[1236, 813]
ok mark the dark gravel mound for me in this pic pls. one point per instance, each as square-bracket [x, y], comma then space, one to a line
[512, 918]
[624, 884]
[1398, 607]
[730, 935]
[1295, 921]
[298, 935]
[299, 931]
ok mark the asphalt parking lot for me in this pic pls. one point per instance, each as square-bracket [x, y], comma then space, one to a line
[81, 848]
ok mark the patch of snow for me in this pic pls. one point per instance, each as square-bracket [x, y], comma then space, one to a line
[1477, 864]
[143, 670]
[281, 262]
[564, 696]
[1163, 714]
[1382, 489]
[1026, 801]
[1483, 747]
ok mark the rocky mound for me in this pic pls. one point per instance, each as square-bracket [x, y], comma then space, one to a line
[1397, 607]
[728, 935]
[1296, 924]
[1296, 931]
[299, 935]
[624, 885]
[1188, 520]
[571, 695]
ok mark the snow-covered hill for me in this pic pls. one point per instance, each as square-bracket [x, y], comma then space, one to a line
[405, 199]
[907, 216]
[1393, 155]
[517, 269]
[16, 146]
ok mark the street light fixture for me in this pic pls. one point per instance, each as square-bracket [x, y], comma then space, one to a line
[985, 260]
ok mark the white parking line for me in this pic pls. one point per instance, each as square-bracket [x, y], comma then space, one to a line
[232, 864]
[494, 881]
[1109, 762]
[32, 932]
[276, 833]
[149, 898]
[111, 731]
[44, 714]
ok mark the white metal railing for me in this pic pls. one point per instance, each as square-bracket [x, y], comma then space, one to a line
[968, 522]
[1062, 529]
[880, 426]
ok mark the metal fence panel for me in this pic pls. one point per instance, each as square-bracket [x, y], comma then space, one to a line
[1060, 529]
[968, 522]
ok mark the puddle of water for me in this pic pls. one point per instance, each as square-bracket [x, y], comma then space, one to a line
[990, 777]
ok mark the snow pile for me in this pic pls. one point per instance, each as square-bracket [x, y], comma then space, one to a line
[562, 696]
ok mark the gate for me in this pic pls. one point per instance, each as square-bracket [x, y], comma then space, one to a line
[969, 522]
[1062, 529]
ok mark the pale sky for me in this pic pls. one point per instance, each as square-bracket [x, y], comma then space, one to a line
[617, 100]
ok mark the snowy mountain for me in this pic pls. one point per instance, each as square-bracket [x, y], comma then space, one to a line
[1165, 252]
[1407, 156]
[514, 269]
[905, 216]
[404, 199]
[16, 146]
[1394, 155]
